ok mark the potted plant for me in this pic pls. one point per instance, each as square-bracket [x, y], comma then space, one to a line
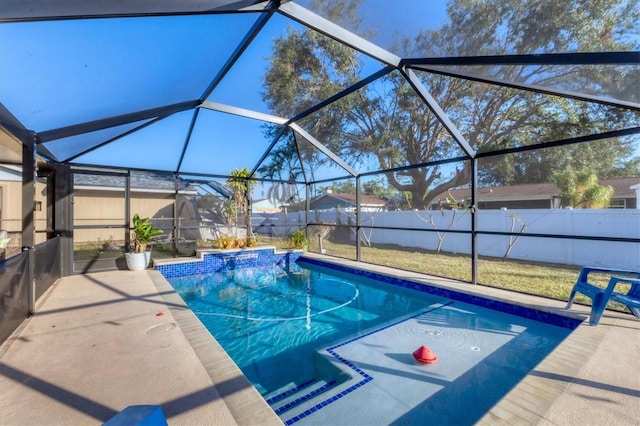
[143, 232]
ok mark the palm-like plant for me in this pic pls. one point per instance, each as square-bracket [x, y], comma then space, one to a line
[143, 232]
[298, 239]
[240, 183]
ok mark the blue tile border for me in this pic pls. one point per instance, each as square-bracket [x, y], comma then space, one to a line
[498, 305]
[222, 261]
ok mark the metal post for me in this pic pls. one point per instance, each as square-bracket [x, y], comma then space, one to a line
[28, 227]
[358, 245]
[474, 221]
[127, 212]
[63, 215]
[307, 205]
[175, 214]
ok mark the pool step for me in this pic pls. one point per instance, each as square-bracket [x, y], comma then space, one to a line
[300, 394]
[285, 391]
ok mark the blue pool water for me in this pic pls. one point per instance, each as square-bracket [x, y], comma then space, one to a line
[269, 320]
[312, 337]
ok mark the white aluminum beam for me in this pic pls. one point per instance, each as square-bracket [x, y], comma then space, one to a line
[439, 112]
[33, 10]
[336, 32]
[326, 151]
[215, 106]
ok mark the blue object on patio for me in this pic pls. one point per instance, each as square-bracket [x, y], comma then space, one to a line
[600, 296]
[139, 415]
[630, 299]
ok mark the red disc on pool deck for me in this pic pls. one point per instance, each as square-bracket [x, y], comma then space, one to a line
[424, 355]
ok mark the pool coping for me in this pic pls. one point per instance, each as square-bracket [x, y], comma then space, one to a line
[526, 403]
[243, 400]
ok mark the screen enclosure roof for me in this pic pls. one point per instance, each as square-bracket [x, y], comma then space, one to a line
[297, 90]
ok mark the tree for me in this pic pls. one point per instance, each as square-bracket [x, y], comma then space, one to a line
[388, 123]
[378, 188]
[580, 188]
[229, 211]
[344, 187]
[241, 186]
[285, 170]
[608, 158]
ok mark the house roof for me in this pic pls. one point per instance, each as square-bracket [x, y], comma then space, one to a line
[536, 191]
[140, 181]
[365, 200]
[350, 199]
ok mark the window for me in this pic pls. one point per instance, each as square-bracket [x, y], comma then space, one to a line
[617, 203]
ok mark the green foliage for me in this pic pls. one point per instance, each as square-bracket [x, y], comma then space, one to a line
[240, 183]
[231, 242]
[376, 187]
[143, 232]
[581, 189]
[229, 211]
[297, 240]
[379, 188]
[344, 187]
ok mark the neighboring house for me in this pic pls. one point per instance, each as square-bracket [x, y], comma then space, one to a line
[264, 206]
[347, 202]
[538, 196]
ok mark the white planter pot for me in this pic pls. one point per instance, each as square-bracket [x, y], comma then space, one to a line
[138, 261]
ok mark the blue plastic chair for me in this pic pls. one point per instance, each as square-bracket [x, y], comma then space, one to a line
[139, 415]
[600, 296]
[631, 299]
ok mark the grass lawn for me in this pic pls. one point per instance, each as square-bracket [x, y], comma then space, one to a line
[541, 279]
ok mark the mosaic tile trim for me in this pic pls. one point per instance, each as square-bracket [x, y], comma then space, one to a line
[288, 392]
[304, 398]
[323, 404]
[521, 311]
[349, 364]
[231, 260]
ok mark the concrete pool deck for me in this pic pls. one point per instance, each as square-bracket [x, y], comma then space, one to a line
[101, 342]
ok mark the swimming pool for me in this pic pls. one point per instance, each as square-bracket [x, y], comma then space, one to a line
[313, 338]
[268, 320]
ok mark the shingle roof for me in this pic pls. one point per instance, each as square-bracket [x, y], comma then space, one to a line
[621, 188]
[149, 181]
[364, 199]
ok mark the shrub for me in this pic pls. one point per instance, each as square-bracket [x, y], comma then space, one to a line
[298, 240]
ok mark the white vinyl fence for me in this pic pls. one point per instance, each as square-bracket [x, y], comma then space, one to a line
[622, 223]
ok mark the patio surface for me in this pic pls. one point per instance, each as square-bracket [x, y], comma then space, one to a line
[101, 342]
